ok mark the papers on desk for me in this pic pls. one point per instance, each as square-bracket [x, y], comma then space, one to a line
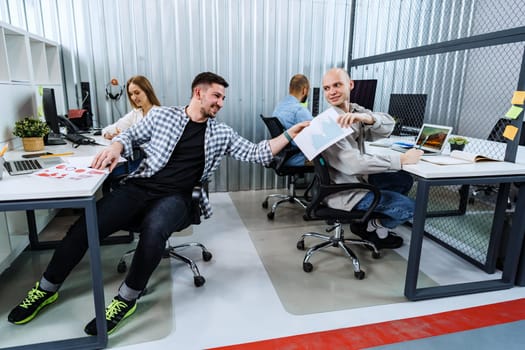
[322, 132]
[74, 168]
[458, 157]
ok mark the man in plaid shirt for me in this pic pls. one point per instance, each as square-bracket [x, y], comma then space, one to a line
[182, 146]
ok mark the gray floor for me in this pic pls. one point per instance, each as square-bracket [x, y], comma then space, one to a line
[256, 271]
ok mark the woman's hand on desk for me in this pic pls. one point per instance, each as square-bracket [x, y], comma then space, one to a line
[108, 157]
[412, 156]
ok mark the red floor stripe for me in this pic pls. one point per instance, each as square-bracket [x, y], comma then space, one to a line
[396, 331]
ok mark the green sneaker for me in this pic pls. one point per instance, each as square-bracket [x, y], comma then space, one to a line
[118, 310]
[35, 300]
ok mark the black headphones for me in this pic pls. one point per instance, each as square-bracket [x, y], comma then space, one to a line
[111, 95]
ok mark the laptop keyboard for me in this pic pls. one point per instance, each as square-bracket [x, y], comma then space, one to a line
[23, 166]
[28, 164]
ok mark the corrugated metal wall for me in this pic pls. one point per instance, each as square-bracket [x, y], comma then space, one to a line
[256, 45]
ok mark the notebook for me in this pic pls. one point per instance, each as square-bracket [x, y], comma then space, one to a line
[28, 166]
[431, 139]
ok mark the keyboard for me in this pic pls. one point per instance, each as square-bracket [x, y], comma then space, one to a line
[80, 139]
[24, 166]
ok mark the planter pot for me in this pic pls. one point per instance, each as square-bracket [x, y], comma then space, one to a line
[33, 143]
[454, 147]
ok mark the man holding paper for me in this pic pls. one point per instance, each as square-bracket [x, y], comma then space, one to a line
[349, 163]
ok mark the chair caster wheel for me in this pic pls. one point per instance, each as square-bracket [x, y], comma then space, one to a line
[270, 215]
[265, 204]
[121, 267]
[307, 267]
[359, 274]
[206, 256]
[376, 255]
[199, 281]
[300, 245]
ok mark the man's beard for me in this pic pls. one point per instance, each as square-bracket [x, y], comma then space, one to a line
[207, 114]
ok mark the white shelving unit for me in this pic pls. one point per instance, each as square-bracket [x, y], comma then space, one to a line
[27, 62]
[28, 58]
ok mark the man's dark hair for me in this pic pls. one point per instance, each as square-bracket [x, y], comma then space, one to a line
[208, 78]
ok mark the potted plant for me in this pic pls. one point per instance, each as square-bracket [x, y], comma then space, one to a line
[32, 132]
[457, 143]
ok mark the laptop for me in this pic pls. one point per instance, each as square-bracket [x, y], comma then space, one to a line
[28, 166]
[431, 139]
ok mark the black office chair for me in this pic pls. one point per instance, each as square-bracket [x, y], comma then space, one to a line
[496, 134]
[316, 209]
[278, 164]
[171, 251]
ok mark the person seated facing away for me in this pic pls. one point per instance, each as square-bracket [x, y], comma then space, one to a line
[142, 98]
[183, 146]
[291, 111]
[349, 163]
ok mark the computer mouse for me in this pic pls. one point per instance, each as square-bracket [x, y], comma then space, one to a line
[97, 133]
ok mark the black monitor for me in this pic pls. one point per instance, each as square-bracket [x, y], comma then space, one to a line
[409, 112]
[364, 93]
[50, 109]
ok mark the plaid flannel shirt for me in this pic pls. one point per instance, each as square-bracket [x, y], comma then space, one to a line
[160, 132]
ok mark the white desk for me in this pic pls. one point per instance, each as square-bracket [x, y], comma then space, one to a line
[27, 192]
[429, 175]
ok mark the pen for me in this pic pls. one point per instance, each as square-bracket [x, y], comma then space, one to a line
[4, 149]
[57, 155]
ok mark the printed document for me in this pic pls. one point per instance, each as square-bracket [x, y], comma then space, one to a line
[322, 132]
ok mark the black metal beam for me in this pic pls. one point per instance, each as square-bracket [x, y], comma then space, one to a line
[483, 40]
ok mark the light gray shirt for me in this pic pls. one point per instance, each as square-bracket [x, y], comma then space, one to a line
[348, 162]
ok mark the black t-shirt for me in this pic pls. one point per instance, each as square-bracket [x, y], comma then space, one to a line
[184, 168]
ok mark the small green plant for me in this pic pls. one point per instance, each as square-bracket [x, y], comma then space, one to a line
[458, 140]
[31, 127]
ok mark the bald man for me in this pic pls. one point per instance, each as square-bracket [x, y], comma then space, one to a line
[349, 163]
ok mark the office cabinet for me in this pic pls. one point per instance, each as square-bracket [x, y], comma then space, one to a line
[27, 63]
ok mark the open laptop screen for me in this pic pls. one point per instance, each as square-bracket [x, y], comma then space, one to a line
[432, 138]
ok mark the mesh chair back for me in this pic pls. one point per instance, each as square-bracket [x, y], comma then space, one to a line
[274, 125]
[496, 134]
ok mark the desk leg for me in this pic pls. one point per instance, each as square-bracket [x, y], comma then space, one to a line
[96, 272]
[514, 267]
[416, 240]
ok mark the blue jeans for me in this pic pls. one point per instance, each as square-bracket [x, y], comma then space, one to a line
[394, 203]
[128, 207]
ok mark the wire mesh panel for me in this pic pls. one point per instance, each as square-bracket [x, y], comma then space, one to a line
[467, 232]
[392, 25]
[469, 90]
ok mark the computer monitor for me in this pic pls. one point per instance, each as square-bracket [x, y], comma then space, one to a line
[409, 112]
[50, 109]
[364, 93]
